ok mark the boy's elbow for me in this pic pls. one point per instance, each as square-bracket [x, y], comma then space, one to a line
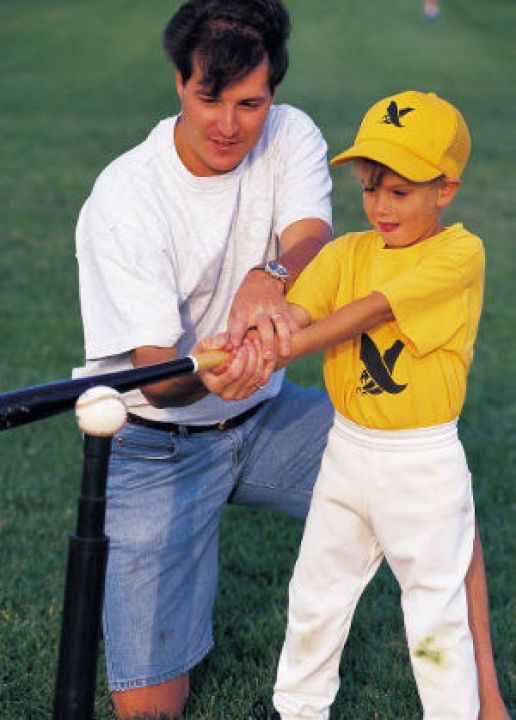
[383, 307]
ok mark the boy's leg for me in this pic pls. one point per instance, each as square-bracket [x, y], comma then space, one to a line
[280, 472]
[425, 524]
[337, 558]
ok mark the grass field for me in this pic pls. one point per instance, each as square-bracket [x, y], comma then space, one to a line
[83, 80]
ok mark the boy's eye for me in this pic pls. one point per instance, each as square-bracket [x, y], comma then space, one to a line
[368, 188]
[400, 193]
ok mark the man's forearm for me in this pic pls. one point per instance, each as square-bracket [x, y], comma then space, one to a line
[175, 392]
[300, 243]
[298, 257]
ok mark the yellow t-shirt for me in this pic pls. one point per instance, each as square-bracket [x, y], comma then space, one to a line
[410, 372]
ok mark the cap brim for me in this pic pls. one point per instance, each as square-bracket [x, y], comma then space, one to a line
[393, 156]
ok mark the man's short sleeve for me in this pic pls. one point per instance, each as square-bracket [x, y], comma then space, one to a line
[127, 282]
[303, 183]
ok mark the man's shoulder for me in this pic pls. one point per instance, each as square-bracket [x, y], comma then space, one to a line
[285, 117]
[134, 164]
[288, 124]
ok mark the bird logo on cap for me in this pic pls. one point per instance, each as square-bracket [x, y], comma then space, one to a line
[393, 115]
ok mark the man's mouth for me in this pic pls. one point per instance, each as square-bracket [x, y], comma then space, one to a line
[223, 145]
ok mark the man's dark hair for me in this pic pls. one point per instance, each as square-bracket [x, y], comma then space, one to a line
[231, 38]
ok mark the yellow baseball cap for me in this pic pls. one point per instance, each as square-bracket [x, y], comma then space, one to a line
[417, 135]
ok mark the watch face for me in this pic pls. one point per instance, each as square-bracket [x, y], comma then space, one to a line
[276, 269]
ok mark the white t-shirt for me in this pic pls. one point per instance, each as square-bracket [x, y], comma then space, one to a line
[161, 252]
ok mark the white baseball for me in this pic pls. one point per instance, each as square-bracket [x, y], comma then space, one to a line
[100, 411]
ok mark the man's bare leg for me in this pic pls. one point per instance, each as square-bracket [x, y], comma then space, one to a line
[492, 706]
[168, 698]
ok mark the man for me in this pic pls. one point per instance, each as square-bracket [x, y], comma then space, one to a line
[198, 228]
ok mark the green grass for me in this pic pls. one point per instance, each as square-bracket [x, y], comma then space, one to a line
[83, 80]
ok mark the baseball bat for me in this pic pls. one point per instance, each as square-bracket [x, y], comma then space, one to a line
[19, 407]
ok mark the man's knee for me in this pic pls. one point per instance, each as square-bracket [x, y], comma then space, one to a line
[166, 700]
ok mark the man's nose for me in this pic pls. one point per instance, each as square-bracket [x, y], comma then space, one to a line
[227, 122]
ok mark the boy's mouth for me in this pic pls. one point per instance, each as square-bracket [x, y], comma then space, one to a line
[387, 227]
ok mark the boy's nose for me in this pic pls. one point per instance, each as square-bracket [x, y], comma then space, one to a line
[383, 204]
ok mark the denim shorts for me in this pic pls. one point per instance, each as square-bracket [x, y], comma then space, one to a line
[165, 499]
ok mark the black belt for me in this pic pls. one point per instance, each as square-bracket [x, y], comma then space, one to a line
[180, 429]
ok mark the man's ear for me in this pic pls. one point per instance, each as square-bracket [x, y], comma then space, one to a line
[447, 191]
[179, 84]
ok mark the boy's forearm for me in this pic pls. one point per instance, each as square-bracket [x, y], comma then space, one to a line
[353, 319]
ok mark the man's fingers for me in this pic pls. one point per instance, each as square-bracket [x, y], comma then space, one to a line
[237, 328]
[215, 342]
[240, 378]
[250, 376]
[265, 330]
[282, 326]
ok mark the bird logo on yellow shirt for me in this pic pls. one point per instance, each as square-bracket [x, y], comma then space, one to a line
[377, 376]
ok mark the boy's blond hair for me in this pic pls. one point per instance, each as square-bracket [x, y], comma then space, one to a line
[371, 173]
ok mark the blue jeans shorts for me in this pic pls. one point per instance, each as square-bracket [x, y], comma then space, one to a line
[165, 499]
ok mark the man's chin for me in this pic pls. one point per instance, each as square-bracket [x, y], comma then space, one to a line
[222, 167]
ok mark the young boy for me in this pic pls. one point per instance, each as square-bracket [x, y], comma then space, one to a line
[397, 309]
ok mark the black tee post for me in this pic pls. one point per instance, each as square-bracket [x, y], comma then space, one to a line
[84, 590]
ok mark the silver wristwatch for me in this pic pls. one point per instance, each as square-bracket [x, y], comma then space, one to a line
[275, 270]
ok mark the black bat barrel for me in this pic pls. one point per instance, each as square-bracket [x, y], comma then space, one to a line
[19, 407]
[84, 590]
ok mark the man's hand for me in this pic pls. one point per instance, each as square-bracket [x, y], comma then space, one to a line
[260, 303]
[240, 376]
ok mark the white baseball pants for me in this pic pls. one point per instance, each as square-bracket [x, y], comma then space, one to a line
[405, 495]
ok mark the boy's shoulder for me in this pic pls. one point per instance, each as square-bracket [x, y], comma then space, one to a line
[459, 231]
[456, 239]
[352, 239]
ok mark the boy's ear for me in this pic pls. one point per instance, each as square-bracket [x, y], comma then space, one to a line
[447, 191]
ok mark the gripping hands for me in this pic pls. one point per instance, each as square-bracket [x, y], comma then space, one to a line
[260, 327]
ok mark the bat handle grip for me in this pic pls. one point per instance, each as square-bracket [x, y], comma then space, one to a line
[210, 359]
